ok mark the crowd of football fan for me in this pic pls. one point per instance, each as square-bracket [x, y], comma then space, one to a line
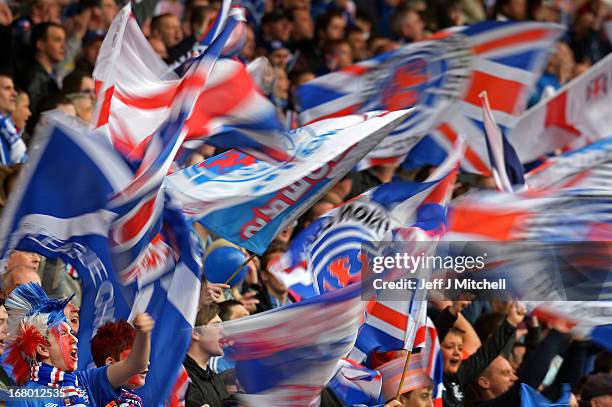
[49, 50]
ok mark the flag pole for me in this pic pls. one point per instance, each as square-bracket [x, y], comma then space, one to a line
[401, 383]
[251, 257]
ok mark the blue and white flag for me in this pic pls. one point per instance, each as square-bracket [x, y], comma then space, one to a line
[356, 385]
[285, 356]
[248, 201]
[71, 221]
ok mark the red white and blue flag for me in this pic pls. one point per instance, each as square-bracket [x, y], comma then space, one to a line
[248, 201]
[285, 356]
[578, 114]
[136, 91]
[442, 79]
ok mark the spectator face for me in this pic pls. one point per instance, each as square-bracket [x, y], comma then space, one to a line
[280, 30]
[88, 87]
[303, 26]
[72, 315]
[21, 268]
[90, 52]
[413, 26]
[248, 50]
[22, 112]
[62, 352]
[138, 380]
[54, 46]
[84, 109]
[359, 47]
[280, 57]
[417, 398]
[237, 312]
[46, 11]
[451, 347]
[343, 55]
[3, 327]
[208, 337]
[169, 31]
[8, 96]
[497, 378]
[515, 9]
[335, 29]
[109, 10]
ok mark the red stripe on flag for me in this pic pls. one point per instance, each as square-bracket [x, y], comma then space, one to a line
[356, 69]
[164, 98]
[218, 100]
[137, 222]
[470, 154]
[346, 111]
[511, 40]
[106, 104]
[503, 93]
[555, 114]
[388, 315]
[497, 226]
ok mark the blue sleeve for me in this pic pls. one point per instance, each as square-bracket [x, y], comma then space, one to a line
[98, 387]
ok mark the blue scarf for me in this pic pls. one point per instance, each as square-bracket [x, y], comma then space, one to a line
[68, 382]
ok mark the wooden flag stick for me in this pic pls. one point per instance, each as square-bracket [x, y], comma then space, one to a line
[401, 383]
[251, 257]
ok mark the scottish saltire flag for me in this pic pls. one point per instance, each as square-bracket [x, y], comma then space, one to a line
[135, 93]
[588, 319]
[589, 167]
[506, 168]
[530, 397]
[71, 221]
[442, 79]
[248, 201]
[285, 356]
[355, 384]
[577, 115]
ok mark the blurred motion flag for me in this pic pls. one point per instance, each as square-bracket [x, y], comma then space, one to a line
[354, 384]
[505, 165]
[589, 167]
[285, 356]
[135, 93]
[578, 114]
[586, 319]
[442, 79]
[248, 201]
[72, 221]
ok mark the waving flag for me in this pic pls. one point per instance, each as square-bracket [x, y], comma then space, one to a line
[588, 167]
[588, 319]
[505, 165]
[285, 356]
[356, 385]
[578, 114]
[136, 92]
[233, 46]
[442, 79]
[249, 201]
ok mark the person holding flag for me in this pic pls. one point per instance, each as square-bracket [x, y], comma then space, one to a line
[43, 353]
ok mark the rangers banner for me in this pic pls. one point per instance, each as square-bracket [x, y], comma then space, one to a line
[578, 114]
[442, 79]
[248, 202]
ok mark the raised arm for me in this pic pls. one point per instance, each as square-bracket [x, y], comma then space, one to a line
[138, 360]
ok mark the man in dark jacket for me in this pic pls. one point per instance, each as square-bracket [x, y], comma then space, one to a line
[459, 373]
[206, 387]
